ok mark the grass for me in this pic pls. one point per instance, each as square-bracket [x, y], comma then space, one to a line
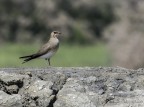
[67, 56]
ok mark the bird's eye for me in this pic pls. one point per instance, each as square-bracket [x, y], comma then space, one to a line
[55, 32]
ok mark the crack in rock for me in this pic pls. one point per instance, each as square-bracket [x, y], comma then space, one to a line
[71, 87]
[57, 89]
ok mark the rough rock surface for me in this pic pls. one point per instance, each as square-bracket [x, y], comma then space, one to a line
[6, 100]
[71, 87]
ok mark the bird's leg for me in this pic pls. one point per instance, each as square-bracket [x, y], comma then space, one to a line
[46, 59]
[49, 61]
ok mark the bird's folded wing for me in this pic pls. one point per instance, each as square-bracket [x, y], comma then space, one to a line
[44, 49]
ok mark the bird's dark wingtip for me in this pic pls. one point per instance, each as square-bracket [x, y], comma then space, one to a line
[22, 57]
[23, 62]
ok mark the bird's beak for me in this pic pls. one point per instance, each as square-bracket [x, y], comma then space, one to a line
[59, 32]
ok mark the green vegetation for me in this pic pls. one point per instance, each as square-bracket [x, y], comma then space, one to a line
[67, 56]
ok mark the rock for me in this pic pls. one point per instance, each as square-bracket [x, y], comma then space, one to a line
[73, 95]
[59, 80]
[12, 89]
[12, 78]
[72, 87]
[11, 82]
[126, 99]
[40, 90]
[6, 100]
[100, 89]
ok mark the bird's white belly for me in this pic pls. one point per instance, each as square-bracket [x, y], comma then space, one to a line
[48, 55]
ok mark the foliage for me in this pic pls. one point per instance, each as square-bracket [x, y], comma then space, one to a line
[23, 20]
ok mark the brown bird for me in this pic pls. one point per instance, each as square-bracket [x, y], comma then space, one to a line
[47, 50]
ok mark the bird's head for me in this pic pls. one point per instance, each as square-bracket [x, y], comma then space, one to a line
[55, 34]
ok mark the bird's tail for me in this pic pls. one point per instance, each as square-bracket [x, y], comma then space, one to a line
[28, 58]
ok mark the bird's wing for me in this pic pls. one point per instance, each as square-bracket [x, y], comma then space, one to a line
[44, 49]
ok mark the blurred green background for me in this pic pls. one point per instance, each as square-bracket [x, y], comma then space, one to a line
[94, 32]
[66, 56]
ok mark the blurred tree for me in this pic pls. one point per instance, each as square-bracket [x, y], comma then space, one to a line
[86, 19]
[125, 36]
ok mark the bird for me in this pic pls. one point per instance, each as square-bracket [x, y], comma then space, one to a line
[47, 50]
